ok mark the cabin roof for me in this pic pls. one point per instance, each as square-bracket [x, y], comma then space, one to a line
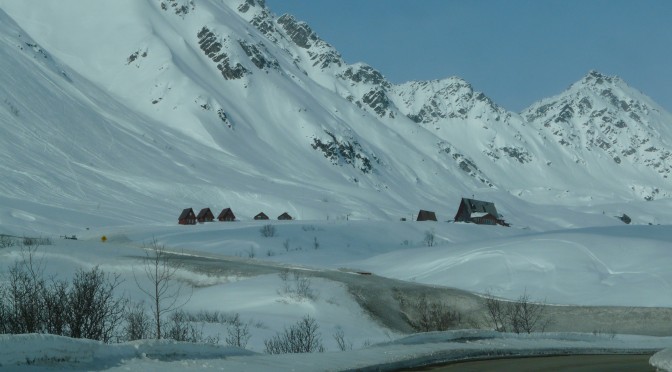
[204, 212]
[185, 213]
[480, 206]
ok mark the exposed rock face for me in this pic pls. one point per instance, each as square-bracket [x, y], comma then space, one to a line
[260, 59]
[299, 32]
[465, 163]
[179, 7]
[364, 74]
[213, 48]
[429, 102]
[343, 152]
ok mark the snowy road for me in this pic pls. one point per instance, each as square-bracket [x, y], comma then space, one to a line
[380, 297]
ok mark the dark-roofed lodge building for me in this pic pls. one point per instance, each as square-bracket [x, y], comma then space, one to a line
[478, 212]
[424, 215]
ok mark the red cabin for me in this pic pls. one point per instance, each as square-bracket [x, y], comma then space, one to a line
[188, 217]
[205, 215]
[226, 215]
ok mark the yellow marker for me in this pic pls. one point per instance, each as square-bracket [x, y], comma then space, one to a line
[103, 239]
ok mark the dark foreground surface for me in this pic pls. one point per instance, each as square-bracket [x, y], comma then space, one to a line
[554, 363]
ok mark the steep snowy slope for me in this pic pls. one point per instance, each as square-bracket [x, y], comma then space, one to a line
[134, 109]
[166, 122]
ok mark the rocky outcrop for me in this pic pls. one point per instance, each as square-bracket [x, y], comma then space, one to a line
[213, 48]
[343, 152]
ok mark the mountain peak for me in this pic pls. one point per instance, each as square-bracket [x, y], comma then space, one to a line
[596, 78]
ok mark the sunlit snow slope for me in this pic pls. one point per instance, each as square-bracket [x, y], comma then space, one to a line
[130, 110]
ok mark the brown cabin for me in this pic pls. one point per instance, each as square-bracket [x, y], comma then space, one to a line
[479, 212]
[424, 215]
[285, 216]
[261, 216]
[205, 215]
[226, 215]
[187, 217]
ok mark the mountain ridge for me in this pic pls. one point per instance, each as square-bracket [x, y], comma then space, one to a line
[241, 108]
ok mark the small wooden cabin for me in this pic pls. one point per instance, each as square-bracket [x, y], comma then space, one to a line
[478, 212]
[226, 215]
[424, 215]
[205, 215]
[261, 216]
[187, 217]
[285, 216]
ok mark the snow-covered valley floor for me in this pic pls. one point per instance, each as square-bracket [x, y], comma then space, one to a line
[617, 274]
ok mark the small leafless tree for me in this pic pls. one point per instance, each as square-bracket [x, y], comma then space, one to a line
[429, 238]
[339, 336]
[530, 316]
[302, 337]
[238, 332]
[496, 312]
[23, 298]
[164, 290]
[267, 231]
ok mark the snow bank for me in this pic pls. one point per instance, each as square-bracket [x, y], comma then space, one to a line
[416, 350]
[662, 360]
[42, 349]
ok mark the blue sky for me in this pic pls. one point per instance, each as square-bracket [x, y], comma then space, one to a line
[516, 52]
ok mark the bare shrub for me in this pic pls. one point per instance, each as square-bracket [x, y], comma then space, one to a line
[6, 241]
[434, 316]
[267, 231]
[519, 316]
[179, 328]
[285, 244]
[238, 333]
[35, 242]
[527, 316]
[299, 286]
[94, 312]
[56, 307]
[23, 300]
[85, 308]
[138, 324]
[209, 316]
[302, 337]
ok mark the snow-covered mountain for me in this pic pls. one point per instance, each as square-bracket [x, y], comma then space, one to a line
[134, 109]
